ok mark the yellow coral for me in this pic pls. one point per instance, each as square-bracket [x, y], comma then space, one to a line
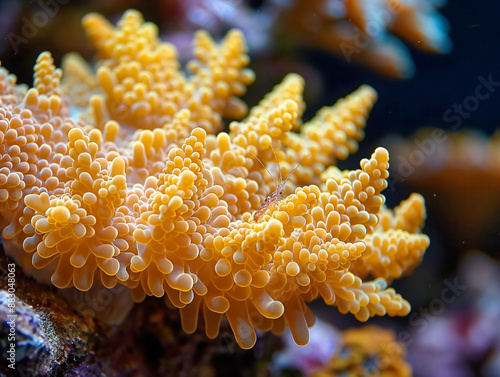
[82, 228]
[395, 247]
[10, 93]
[145, 197]
[47, 76]
[144, 86]
[78, 82]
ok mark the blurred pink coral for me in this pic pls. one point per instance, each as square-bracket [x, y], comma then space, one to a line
[466, 335]
[325, 341]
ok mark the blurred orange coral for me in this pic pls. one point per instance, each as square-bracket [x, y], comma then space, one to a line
[362, 31]
[460, 171]
[126, 187]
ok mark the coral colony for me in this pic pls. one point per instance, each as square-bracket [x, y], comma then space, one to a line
[122, 176]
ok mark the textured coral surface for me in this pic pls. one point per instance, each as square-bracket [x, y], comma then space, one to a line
[122, 176]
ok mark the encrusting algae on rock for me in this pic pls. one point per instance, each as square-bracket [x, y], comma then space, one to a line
[131, 185]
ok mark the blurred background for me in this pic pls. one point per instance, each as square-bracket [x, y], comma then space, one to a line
[438, 79]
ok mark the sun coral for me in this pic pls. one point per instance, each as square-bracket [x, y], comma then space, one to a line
[130, 186]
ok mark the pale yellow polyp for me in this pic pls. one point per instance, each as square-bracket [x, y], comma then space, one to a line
[60, 214]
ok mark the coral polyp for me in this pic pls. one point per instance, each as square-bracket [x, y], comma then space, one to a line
[122, 176]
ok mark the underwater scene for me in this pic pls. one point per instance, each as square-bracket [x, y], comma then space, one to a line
[256, 188]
